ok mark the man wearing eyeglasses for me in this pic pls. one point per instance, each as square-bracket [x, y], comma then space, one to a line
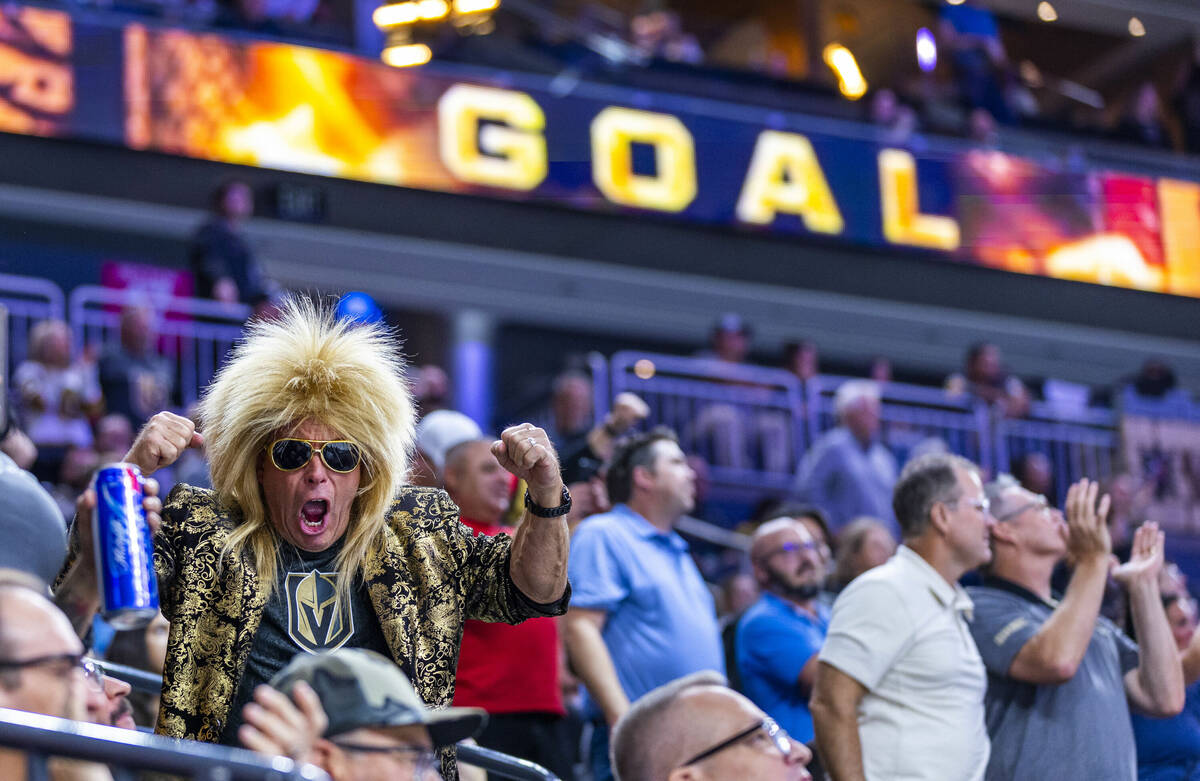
[900, 685]
[309, 541]
[696, 728]
[41, 667]
[378, 729]
[779, 636]
[1061, 678]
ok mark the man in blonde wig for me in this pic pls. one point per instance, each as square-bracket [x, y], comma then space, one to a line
[309, 542]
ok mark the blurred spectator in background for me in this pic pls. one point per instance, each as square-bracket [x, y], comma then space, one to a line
[1143, 122]
[986, 379]
[74, 477]
[659, 35]
[136, 380]
[1187, 99]
[848, 472]
[896, 120]
[582, 455]
[1035, 473]
[880, 369]
[735, 436]
[431, 389]
[114, 437]
[14, 443]
[31, 525]
[779, 636]
[438, 433]
[969, 31]
[801, 359]
[220, 255]
[640, 613]
[1169, 749]
[142, 649]
[864, 544]
[509, 671]
[981, 128]
[813, 518]
[571, 406]
[1130, 497]
[1155, 380]
[55, 396]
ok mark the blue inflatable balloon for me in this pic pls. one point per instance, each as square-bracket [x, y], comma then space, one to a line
[358, 307]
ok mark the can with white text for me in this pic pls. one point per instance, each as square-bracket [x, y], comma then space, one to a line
[124, 548]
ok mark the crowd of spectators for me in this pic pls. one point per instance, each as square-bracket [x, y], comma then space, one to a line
[818, 647]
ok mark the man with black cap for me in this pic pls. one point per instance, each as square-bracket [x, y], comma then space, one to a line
[377, 727]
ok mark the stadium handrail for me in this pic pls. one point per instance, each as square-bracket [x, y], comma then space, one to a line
[492, 761]
[48, 736]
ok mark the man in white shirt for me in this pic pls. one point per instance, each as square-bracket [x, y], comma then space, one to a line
[900, 684]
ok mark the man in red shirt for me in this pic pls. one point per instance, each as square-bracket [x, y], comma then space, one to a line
[510, 671]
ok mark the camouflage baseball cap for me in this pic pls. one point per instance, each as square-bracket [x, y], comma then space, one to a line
[360, 688]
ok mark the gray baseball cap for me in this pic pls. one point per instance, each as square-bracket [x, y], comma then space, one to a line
[360, 688]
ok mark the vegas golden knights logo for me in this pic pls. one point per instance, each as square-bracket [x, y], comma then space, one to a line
[317, 620]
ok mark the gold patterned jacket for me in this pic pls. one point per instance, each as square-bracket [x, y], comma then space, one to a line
[430, 576]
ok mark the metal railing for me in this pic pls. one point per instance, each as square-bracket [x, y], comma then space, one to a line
[684, 393]
[496, 762]
[912, 418]
[747, 422]
[194, 334]
[28, 300]
[41, 737]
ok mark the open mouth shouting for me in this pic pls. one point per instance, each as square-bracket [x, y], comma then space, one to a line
[313, 515]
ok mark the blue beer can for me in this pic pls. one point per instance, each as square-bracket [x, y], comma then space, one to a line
[124, 548]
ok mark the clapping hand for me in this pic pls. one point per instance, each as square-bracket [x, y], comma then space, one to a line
[1145, 557]
[1087, 523]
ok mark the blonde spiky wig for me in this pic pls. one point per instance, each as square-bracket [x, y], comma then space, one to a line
[307, 364]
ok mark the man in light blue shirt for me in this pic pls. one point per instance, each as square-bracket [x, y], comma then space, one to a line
[780, 635]
[640, 612]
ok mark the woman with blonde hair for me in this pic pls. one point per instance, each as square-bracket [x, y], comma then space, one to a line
[309, 542]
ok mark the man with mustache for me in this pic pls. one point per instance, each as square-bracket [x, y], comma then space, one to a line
[780, 635]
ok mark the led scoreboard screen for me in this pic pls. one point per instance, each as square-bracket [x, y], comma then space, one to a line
[593, 147]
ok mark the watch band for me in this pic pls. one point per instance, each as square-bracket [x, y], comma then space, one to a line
[549, 512]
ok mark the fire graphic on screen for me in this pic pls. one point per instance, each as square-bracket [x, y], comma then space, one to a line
[37, 92]
[278, 106]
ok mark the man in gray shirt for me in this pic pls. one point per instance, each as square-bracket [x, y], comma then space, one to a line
[1059, 675]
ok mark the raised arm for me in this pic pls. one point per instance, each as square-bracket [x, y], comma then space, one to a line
[539, 551]
[159, 444]
[1155, 686]
[834, 707]
[1055, 652]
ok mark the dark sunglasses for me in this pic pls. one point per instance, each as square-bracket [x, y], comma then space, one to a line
[289, 454]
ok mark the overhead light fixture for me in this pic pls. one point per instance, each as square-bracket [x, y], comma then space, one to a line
[955, 2]
[1136, 28]
[850, 79]
[407, 55]
[926, 50]
[1046, 12]
[395, 14]
[475, 6]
